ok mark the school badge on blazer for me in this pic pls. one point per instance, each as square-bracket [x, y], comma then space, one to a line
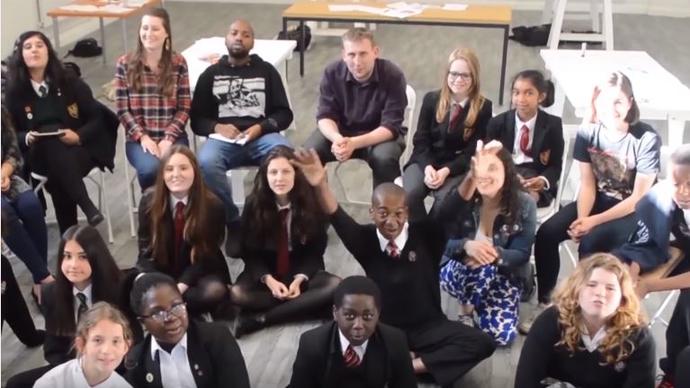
[73, 110]
[544, 157]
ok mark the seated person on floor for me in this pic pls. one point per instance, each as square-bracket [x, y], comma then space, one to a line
[179, 351]
[152, 96]
[595, 335]
[361, 107]
[284, 239]
[86, 274]
[355, 350]
[492, 245]
[181, 228]
[102, 339]
[451, 121]
[403, 259]
[534, 137]
[241, 105]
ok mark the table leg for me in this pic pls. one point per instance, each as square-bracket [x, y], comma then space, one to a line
[100, 23]
[301, 52]
[503, 65]
[56, 32]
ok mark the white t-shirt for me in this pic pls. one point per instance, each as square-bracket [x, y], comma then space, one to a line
[70, 375]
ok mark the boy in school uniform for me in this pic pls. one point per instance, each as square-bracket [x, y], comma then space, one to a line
[355, 350]
[403, 259]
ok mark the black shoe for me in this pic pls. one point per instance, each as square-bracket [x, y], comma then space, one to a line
[247, 324]
[35, 340]
[95, 218]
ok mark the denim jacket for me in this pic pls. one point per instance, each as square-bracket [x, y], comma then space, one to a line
[513, 241]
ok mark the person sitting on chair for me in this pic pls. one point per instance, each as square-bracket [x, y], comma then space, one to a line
[355, 350]
[361, 108]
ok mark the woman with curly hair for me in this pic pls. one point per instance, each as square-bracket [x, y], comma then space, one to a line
[491, 244]
[284, 239]
[595, 334]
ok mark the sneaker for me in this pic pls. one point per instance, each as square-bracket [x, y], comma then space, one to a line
[665, 382]
[525, 325]
[466, 319]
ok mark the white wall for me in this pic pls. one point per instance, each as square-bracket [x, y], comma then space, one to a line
[22, 15]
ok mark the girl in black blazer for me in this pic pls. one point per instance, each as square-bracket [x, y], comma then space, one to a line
[534, 137]
[213, 358]
[451, 121]
[44, 98]
[180, 232]
[86, 273]
[284, 242]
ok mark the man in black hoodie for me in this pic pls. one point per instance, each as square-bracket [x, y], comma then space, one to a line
[241, 105]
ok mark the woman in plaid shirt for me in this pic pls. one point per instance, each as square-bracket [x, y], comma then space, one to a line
[153, 105]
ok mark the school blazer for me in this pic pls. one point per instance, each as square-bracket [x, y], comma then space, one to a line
[387, 359]
[547, 143]
[211, 264]
[214, 358]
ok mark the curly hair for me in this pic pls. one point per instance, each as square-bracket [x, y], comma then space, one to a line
[620, 327]
[260, 218]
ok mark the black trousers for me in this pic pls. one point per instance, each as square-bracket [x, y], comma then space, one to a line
[678, 337]
[314, 301]
[602, 238]
[65, 166]
[413, 182]
[14, 309]
[383, 158]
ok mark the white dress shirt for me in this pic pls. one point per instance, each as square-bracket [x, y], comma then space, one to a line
[344, 343]
[519, 157]
[77, 302]
[174, 200]
[400, 241]
[686, 214]
[37, 86]
[592, 343]
[174, 366]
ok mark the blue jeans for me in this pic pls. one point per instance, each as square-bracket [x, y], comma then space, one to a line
[216, 157]
[24, 232]
[145, 163]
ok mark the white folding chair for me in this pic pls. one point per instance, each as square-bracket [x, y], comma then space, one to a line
[408, 121]
[661, 272]
[99, 182]
[131, 182]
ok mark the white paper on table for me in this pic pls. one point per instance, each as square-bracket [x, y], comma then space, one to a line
[341, 7]
[240, 140]
[401, 13]
[455, 7]
[80, 7]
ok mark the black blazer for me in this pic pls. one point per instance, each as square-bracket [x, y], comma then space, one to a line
[214, 357]
[547, 143]
[94, 122]
[387, 359]
[436, 145]
[191, 273]
[306, 257]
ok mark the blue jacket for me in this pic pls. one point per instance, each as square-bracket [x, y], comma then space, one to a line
[657, 217]
[513, 241]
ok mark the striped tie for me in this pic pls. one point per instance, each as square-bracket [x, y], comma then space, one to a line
[351, 358]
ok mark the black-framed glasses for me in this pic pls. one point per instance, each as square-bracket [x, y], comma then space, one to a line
[178, 310]
[453, 75]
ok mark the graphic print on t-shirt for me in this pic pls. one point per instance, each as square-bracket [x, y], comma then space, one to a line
[240, 97]
[613, 172]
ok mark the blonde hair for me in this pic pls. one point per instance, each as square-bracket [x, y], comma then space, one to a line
[476, 100]
[358, 34]
[98, 312]
[624, 323]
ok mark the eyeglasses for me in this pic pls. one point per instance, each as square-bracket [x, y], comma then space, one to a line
[453, 75]
[178, 310]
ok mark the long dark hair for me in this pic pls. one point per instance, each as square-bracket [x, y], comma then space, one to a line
[105, 276]
[166, 81]
[19, 79]
[260, 218]
[510, 192]
[197, 230]
[543, 85]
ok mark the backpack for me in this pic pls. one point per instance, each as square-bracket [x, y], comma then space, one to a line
[532, 36]
[295, 33]
[86, 48]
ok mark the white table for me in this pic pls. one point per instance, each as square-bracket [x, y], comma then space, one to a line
[659, 94]
[275, 52]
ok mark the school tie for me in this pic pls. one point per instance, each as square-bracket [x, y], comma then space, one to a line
[82, 305]
[393, 249]
[42, 91]
[179, 227]
[351, 358]
[283, 262]
[524, 140]
[455, 116]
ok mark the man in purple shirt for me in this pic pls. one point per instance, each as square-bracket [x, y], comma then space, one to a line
[361, 108]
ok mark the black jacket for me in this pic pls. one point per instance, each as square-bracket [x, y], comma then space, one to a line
[386, 362]
[547, 142]
[214, 358]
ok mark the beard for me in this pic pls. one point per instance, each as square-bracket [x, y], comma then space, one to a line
[238, 53]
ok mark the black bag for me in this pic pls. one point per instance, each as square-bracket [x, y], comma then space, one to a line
[86, 48]
[532, 36]
[295, 33]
